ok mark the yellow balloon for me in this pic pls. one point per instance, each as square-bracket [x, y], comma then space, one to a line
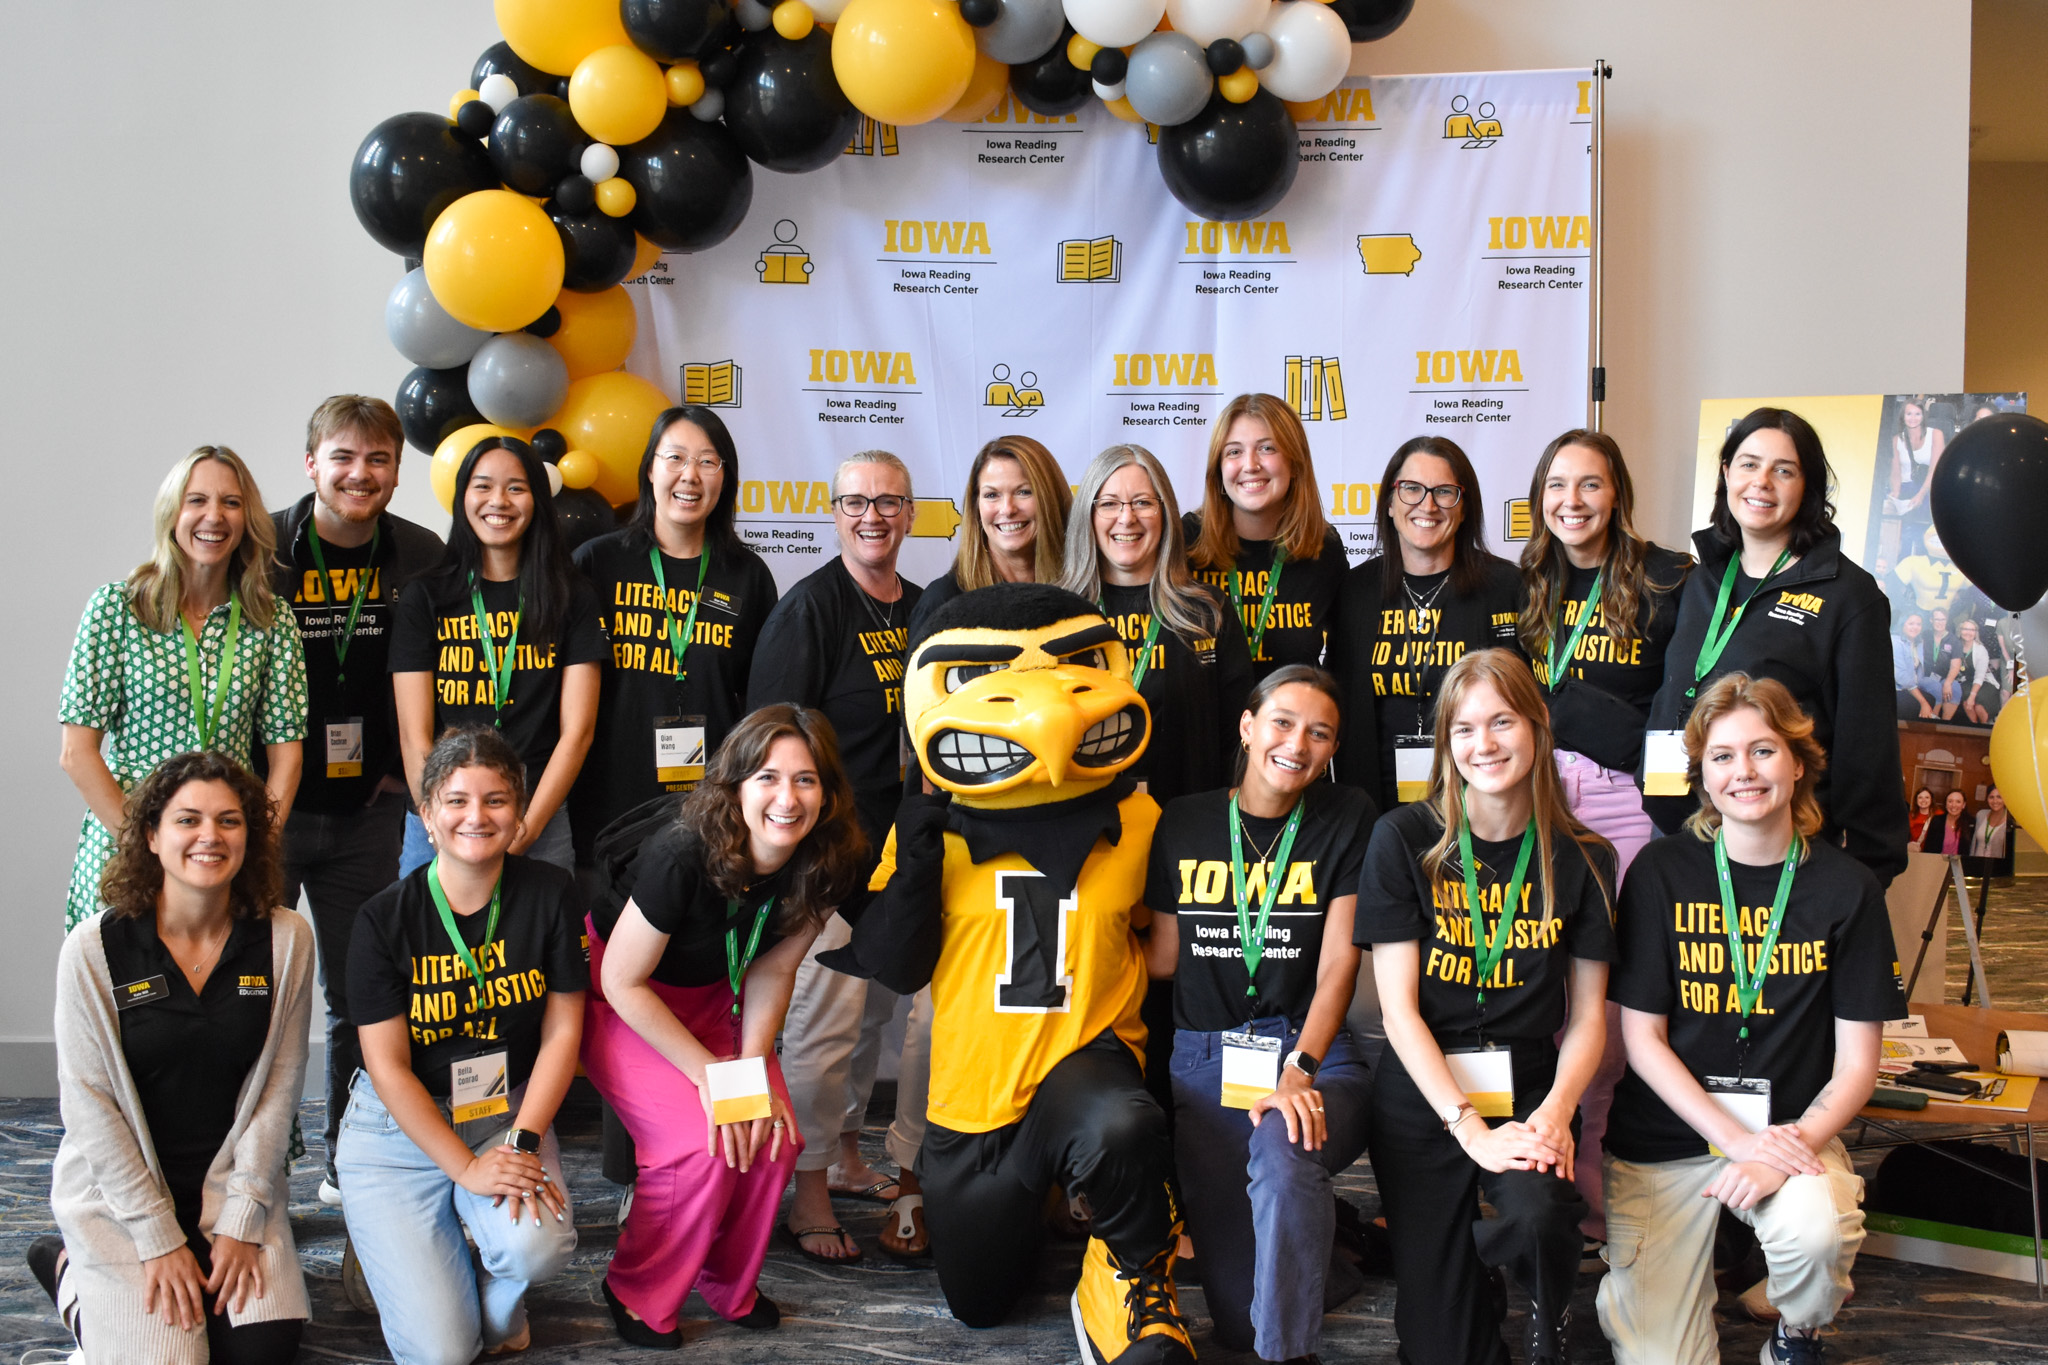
[618, 94]
[617, 196]
[597, 330]
[903, 61]
[448, 457]
[608, 417]
[793, 19]
[2019, 759]
[578, 468]
[1121, 107]
[1240, 85]
[1081, 52]
[557, 34]
[462, 97]
[645, 254]
[991, 81]
[685, 84]
[494, 260]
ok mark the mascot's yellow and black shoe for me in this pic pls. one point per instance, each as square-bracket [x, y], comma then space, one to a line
[1126, 1311]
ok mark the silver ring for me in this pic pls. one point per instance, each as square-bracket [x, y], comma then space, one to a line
[1316, 1109]
[779, 1123]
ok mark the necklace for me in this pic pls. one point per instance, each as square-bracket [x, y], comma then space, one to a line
[885, 615]
[211, 953]
[1266, 853]
[1416, 600]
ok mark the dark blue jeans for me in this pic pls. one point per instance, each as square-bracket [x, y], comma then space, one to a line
[1261, 1210]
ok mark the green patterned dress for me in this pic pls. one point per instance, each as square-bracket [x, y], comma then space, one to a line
[129, 681]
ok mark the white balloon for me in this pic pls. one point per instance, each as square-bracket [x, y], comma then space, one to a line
[1207, 20]
[1114, 23]
[554, 481]
[1311, 50]
[1106, 93]
[600, 163]
[497, 91]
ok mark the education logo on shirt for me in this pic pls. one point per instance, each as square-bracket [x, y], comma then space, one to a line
[252, 985]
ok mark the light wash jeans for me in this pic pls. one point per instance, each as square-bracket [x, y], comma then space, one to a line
[437, 1304]
[555, 844]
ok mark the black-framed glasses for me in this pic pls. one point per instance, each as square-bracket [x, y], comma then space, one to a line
[856, 504]
[1444, 495]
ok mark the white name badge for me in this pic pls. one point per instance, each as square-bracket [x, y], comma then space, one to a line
[477, 1088]
[1664, 763]
[679, 749]
[1251, 1069]
[1748, 1102]
[739, 1090]
[1487, 1076]
[1412, 755]
[345, 747]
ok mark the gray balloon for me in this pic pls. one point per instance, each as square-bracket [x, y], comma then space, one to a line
[1258, 51]
[422, 330]
[1024, 30]
[518, 380]
[1168, 81]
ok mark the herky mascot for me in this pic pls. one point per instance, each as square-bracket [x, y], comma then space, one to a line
[1011, 890]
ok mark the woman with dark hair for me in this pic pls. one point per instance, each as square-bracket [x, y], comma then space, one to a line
[682, 599]
[1261, 526]
[1923, 811]
[1948, 833]
[1432, 595]
[1271, 1098]
[696, 971]
[505, 633]
[1916, 446]
[466, 981]
[181, 1056]
[1775, 597]
[1017, 530]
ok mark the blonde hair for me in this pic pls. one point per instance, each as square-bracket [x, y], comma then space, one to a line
[1177, 601]
[1773, 701]
[156, 589]
[1302, 525]
[1509, 675]
[881, 457]
[973, 566]
[352, 414]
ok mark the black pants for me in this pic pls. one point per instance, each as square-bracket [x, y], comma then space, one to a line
[1092, 1128]
[1442, 1247]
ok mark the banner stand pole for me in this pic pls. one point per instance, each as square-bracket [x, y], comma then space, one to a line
[1597, 390]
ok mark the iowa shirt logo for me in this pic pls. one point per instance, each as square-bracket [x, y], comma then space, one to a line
[1798, 608]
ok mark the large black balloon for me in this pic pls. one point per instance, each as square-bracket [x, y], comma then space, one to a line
[672, 30]
[597, 249]
[536, 142]
[433, 404]
[1231, 161]
[692, 181]
[1988, 493]
[500, 60]
[1371, 20]
[1051, 84]
[408, 169]
[582, 514]
[785, 105]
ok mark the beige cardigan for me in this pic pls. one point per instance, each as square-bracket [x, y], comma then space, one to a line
[107, 1191]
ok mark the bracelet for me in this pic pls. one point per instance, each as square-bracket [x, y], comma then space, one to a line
[1468, 1114]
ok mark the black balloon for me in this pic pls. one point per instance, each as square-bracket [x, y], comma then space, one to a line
[535, 142]
[1987, 493]
[692, 181]
[582, 514]
[1225, 56]
[474, 119]
[980, 13]
[576, 194]
[1109, 66]
[500, 60]
[1370, 20]
[1051, 84]
[433, 404]
[672, 30]
[549, 444]
[547, 324]
[1231, 161]
[784, 104]
[408, 169]
[597, 249]
[717, 68]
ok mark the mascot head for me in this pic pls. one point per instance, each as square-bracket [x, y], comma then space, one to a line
[1021, 694]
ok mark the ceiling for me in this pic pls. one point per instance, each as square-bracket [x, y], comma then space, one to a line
[2008, 80]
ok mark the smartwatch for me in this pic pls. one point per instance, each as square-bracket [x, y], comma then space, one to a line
[524, 1140]
[1303, 1062]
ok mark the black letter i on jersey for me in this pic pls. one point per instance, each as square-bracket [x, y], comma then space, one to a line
[1034, 979]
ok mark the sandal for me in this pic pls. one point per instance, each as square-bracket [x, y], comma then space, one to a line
[795, 1238]
[905, 1236]
[872, 1194]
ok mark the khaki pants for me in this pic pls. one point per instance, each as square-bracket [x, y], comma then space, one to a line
[1657, 1301]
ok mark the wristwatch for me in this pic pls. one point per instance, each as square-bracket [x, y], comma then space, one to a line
[523, 1139]
[1303, 1062]
[1452, 1114]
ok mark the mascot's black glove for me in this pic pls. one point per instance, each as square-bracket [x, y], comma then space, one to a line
[896, 940]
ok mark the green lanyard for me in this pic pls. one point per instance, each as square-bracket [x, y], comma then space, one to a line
[680, 641]
[454, 930]
[1265, 603]
[355, 608]
[205, 721]
[1486, 954]
[1253, 937]
[1750, 984]
[736, 962]
[1571, 649]
[1144, 663]
[497, 665]
[1718, 635]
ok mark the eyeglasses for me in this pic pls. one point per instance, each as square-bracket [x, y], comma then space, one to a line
[856, 505]
[1113, 508]
[1445, 495]
[703, 464]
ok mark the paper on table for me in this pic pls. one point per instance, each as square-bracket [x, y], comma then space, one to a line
[1899, 1054]
[1912, 1026]
[2015, 1094]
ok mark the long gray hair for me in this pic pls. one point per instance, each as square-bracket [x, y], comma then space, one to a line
[1177, 601]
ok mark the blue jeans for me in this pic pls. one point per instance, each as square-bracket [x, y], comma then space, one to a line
[555, 845]
[436, 1304]
[1261, 1210]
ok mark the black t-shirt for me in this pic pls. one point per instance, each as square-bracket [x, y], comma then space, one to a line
[1304, 605]
[400, 962]
[357, 689]
[1195, 691]
[436, 633]
[1607, 669]
[190, 1054]
[1189, 877]
[676, 898]
[1398, 902]
[1835, 960]
[640, 677]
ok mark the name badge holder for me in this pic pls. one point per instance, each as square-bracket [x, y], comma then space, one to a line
[143, 992]
[739, 1090]
[345, 747]
[1747, 1100]
[1487, 1076]
[679, 748]
[1412, 757]
[477, 1088]
[1664, 763]
[1251, 1069]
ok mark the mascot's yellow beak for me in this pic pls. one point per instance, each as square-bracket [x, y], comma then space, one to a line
[992, 711]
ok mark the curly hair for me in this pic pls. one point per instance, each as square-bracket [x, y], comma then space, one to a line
[1773, 701]
[827, 866]
[134, 876]
[471, 746]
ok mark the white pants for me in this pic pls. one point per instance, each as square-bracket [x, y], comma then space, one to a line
[1657, 1301]
[831, 1046]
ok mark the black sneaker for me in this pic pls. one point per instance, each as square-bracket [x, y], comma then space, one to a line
[46, 1262]
[764, 1316]
[1551, 1347]
[1786, 1348]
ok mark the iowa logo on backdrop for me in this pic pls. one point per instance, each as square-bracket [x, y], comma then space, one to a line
[935, 236]
[712, 384]
[1315, 387]
[1342, 105]
[1469, 367]
[1018, 399]
[882, 368]
[1472, 128]
[1257, 237]
[1164, 369]
[785, 262]
[872, 139]
[1085, 260]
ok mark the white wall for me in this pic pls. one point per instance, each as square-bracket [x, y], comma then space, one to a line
[1786, 215]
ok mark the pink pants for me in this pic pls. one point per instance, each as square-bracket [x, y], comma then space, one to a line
[696, 1223]
[1609, 804]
